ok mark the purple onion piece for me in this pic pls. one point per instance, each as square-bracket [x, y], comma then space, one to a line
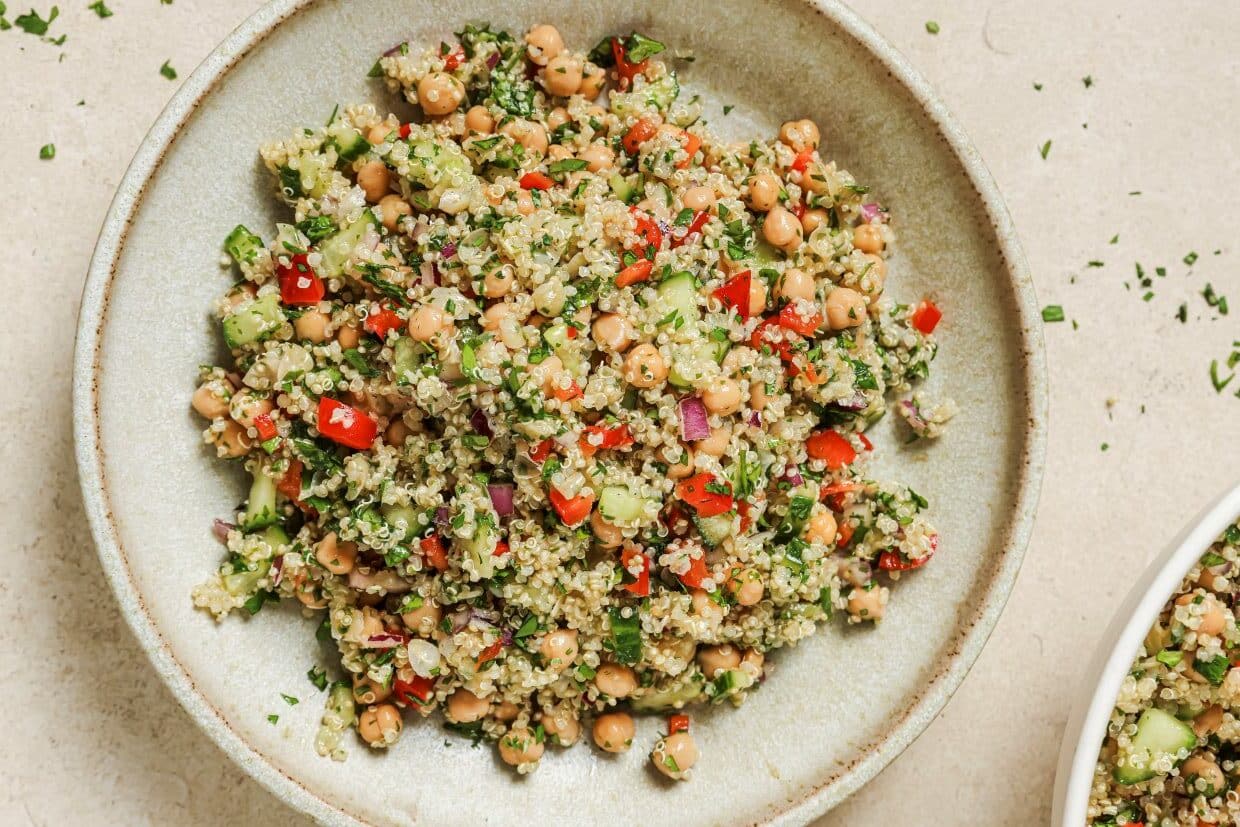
[394, 49]
[755, 419]
[871, 213]
[501, 497]
[441, 515]
[913, 415]
[220, 529]
[448, 250]
[506, 637]
[460, 619]
[856, 402]
[693, 419]
[793, 476]
[277, 571]
[479, 422]
[384, 641]
[492, 60]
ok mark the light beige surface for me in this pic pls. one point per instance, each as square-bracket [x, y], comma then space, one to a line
[102, 742]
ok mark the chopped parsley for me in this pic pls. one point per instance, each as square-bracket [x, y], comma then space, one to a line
[1037, 87]
[1191, 258]
[932, 27]
[1045, 150]
[32, 23]
[47, 152]
[167, 71]
[273, 719]
[100, 8]
[727, 108]
[1088, 80]
[318, 677]
[1053, 313]
[290, 700]
[1213, 670]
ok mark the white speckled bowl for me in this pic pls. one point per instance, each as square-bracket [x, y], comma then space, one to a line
[839, 707]
[1112, 660]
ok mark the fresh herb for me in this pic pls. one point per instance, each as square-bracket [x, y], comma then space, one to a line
[932, 27]
[727, 108]
[1045, 150]
[1037, 87]
[167, 71]
[47, 152]
[316, 457]
[626, 636]
[273, 719]
[864, 376]
[1105, 446]
[1182, 313]
[316, 228]
[1114, 239]
[392, 291]
[1169, 658]
[638, 47]
[289, 699]
[1053, 313]
[1190, 259]
[1218, 383]
[1214, 300]
[568, 165]
[1095, 263]
[1088, 80]
[1213, 670]
[528, 627]
[318, 677]
[358, 361]
[255, 604]
[100, 8]
[32, 23]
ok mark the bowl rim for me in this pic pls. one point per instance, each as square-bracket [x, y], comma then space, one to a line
[1087, 723]
[829, 791]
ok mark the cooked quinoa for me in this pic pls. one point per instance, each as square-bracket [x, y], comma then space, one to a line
[555, 403]
[1172, 749]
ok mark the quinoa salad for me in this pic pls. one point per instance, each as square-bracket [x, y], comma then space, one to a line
[1172, 749]
[555, 404]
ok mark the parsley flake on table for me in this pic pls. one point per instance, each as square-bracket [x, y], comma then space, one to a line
[272, 719]
[1088, 80]
[1114, 239]
[1095, 263]
[1037, 87]
[1045, 150]
[1182, 313]
[1219, 384]
[47, 152]
[1216, 301]
[100, 8]
[1190, 259]
[932, 27]
[167, 71]
[32, 23]
[727, 108]
[290, 700]
[1053, 313]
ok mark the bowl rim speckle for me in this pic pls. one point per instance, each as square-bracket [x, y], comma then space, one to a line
[1087, 724]
[90, 460]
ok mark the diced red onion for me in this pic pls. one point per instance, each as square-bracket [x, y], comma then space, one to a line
[460, 619]
[501, 497]
[436, 275]
[220, 529]
[394, 49]
[492, 60]
[856, 402]
[448, 250]
[386, 640]
[913, 414]
[277, 570]
[871, 213]
[755, 419]
[693, 419]
[479, 422]
[793, 476]
[441, 515]
[505, 637]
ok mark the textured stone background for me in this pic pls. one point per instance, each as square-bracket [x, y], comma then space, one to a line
[95, 739]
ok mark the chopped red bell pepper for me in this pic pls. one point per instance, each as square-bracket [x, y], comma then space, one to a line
[735, 293]
[572, 511]
[536, 181]
[865, 441]
[649, 229]
[565, 394]
[542, 450]
[691, 143]
[634, 273]
[383, 321]
[638, 134]
[490, 653]
[346, 424]
[405, 130]
[290, 484]
[641, 585]
[893, 561]
[501, 548]
[695, 226]
[792, 319]
[624, 69]
[803, 159]
[759, 339]
[265, 426]
[702, 493]
[798, 209]
[299, 284]
[677, 723]
[926, 317]
[696, 574]
[617, 436]
[413, 692]
[453, 60]
[832, 448]
[743, 508]
[434, 552]
[844, 534]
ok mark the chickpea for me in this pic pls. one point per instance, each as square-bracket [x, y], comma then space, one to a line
[675, 754]
[208, 403]
[392, 208]
[644, 367]
[868, 238]
[423, 620]
[525, 203]
[506, 711]
[705, 607]
[336, 557]
[367, 691]
[234, 440]
[519, 746]
[557, 117]
[723, 398]
[426, 323]
[493, 317]
[311, 326]
[800, 135]
[752, 662]
[558, 152]
[543, 42]
[562, 77]
[308, 595]
[873, 277]
[378, 133]
[246, 405]
[551, 370]
[782, 229]
[764, 189]
[479, 119]
[717, 443]
[592, 80]
[845, 308]
[757, 296]
[498, 283]
[1213, 620]
[608, 535]
[559, 648]
[439, 93]
[532, 136]
[815, 180]
[379, 725]
[682, 469]
[719, 658]
[813, 219]
[615, 680]
[1208, 721]
[348, 337]
[397, 432]
[614, 731]
[821, 528]
[867, 604]
[1202, 767]
[698, 199]
[464, 707]
[561, 725]
[613, 332]
[598, 157]
[374, 179]
[746, 586]
[760, 394]
[795, 285]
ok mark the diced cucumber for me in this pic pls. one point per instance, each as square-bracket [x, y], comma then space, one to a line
[254, 322]
[244, 583]
[260, 508]
[340, 703]
[431, 163]
[557, 337]
[242, 245]
[686, 360]
[663, 92]
[1158, 734]
[626, 636]
[349, 143]
[275, 537]
[395, 515]
[728, 683]
[679, 292]
[674, 697]
[625, 189]
[714, 530]
[764, 253]
[406, 359]
[480, 549]
[338, 249]
[618, 504]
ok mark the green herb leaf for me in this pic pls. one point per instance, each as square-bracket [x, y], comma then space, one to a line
[1053, 313]
[47, 152]
[1169, 658]
[1045, 150]
[167, 71]
[32, 23]
[1213, 670]
[318, 677]
[932, 27]
[100, 8]
[638, 47]
[568, 165]
[289, 699]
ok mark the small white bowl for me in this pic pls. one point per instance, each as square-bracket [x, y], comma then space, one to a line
[1086, 728]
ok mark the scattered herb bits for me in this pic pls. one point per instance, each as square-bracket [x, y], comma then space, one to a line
[1053, 313]
[167, 71]
[47, 152]
[100, 8]
[932, 27]
[1045, 150]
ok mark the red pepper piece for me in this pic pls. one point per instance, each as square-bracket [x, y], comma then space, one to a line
[346, 424]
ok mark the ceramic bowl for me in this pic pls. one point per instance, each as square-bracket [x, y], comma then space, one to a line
[838, 708]
[1112, 660]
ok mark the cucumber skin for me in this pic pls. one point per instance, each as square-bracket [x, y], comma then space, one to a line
[260, 510]
[254, 322]
[1153, 726]
[242, 245]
